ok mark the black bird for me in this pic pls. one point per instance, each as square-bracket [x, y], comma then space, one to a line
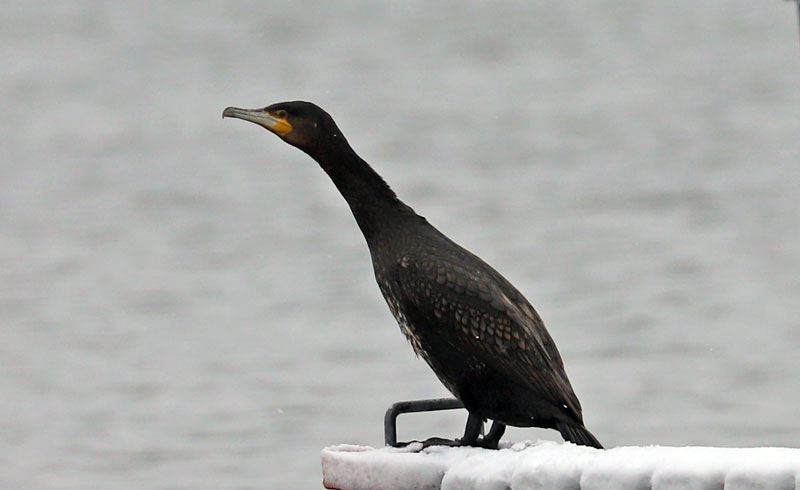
[478, 333]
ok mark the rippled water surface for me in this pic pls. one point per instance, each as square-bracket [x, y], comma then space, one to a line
[186, 303]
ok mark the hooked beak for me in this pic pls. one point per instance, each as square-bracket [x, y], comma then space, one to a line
[279, 126]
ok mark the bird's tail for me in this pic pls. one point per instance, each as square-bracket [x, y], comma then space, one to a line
[578, 434]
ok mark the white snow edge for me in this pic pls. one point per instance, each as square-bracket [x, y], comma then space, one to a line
[547, 465]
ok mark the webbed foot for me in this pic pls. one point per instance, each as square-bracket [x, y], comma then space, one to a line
[433, 441]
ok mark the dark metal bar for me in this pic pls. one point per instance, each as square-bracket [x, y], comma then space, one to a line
[411, 406]
[798, 8]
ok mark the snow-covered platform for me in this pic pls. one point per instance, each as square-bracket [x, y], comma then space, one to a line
[552, 466]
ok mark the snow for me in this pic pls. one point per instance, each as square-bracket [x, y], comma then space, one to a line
[551, 466]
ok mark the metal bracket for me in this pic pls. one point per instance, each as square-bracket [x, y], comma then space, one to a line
[411, 406]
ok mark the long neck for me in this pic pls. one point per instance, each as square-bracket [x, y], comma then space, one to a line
[373, 203]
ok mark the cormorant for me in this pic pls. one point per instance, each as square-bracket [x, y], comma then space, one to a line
[478, 333]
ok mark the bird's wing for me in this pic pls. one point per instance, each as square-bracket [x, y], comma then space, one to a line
[486, 315]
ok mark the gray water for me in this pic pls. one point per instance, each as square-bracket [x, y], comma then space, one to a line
[186, 303]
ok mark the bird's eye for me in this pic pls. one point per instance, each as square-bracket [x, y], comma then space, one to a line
[281, 114]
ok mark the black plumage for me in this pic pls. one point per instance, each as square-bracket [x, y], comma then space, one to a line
[478, 333]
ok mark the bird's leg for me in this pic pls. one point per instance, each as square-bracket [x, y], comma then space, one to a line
[472, 430]
[470, 438]
[492, 439]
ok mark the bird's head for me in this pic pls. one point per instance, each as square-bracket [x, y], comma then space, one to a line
[301, 124]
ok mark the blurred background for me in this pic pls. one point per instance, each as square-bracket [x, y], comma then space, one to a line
[186, 302]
